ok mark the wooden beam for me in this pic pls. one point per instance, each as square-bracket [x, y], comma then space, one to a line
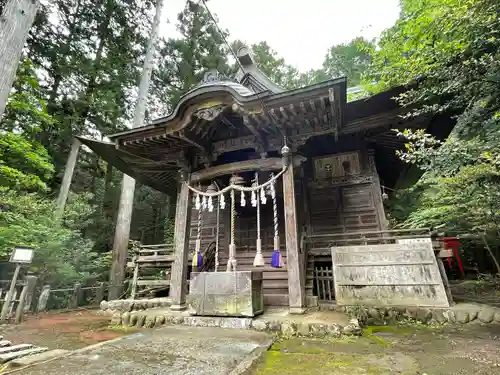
[193, 139]
[238, 109]
[178, 280]
[270, 164]
[296, 287]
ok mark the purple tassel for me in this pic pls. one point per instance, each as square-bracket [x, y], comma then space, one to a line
[276, 259]
[200, 261]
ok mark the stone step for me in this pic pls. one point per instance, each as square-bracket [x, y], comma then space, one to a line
[21, 353]
[4, 343]
[36, 358]
[15, 348]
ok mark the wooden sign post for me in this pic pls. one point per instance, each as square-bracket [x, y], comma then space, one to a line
[20, 255]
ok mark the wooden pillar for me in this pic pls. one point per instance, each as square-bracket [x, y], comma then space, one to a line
[121, 240]
[68, 176]
[296, 290]
[377, 191]
[181, 243]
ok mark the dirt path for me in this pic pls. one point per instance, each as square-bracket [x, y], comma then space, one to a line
[61, 330]
[474, 350]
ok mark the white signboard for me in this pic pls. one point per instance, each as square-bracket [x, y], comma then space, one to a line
[22, 255]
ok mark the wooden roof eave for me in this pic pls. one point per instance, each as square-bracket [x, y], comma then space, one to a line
[167, 183]
[180, 116]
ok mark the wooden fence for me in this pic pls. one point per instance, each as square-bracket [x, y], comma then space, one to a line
[325, 289]
[28, 299]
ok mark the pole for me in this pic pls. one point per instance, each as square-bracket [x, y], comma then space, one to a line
[8, 298]
[68, 176]
[122, 231]
[15, 24]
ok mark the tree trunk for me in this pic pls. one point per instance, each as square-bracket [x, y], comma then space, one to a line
[15, 23]
[122, 231]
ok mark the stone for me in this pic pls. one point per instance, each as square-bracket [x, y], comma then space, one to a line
[393, 314]
[486, 315]
[333, 330]
[497, 317]
[141, 319]
[412, 312]
[462, 316]
[274, 326]
[178, 320]
[303, 329]
[424, 315]
[352, 328]
[241, 323]
[126, 318]
[259, 325]
[288, 329]
[374, 313]
[318, 329]
[133, 320]
[450, 316]
[104, 305]
[116, 319]
[127, 306]
[149, 321]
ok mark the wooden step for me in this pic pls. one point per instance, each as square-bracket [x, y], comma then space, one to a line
[153, 282]
[15, 348]
[36, 358]
[6, 357]
[276, 299]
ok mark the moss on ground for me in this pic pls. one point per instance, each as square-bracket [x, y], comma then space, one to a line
[319, 363]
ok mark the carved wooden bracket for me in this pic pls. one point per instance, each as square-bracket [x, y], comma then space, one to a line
[209, 114]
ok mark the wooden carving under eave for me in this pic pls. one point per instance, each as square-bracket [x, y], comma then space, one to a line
[210, 113]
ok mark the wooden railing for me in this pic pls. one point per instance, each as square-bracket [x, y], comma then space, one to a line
[320, 244]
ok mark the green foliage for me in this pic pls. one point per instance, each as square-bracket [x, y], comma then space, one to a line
[448, 52]
[349, 60]
[62, 254]
[24, 165]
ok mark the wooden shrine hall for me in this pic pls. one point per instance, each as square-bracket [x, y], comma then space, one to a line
[267, 181]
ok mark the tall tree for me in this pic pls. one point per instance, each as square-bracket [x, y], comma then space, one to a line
[122, 231]
[182, 62]
[349, 59]
[17, 17]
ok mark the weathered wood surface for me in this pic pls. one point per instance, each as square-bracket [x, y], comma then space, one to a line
[263, 165]
[388, 275]
[181, 241]
[296, 291]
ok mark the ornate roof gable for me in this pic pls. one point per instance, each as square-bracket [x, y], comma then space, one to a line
[251, 76]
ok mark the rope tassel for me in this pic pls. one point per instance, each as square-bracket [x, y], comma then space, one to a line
[197, 261]
[259, 259]
[276, 257]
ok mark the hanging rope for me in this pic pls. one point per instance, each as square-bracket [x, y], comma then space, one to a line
[217, 238]
[232, 187]
[197, 261]
[276, 257]
[231, 263]
[259, 259]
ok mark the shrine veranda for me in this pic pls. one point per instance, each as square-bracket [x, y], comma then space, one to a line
[280, 196]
